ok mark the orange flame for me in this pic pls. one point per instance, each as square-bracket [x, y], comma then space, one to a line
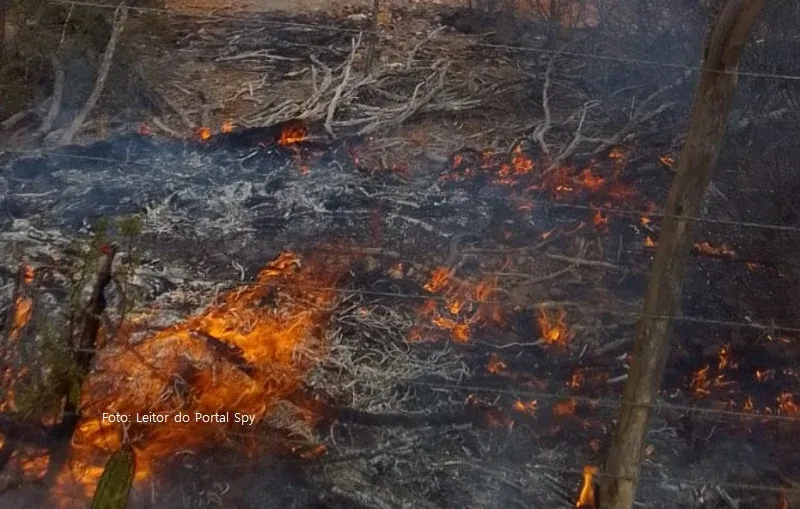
[700, 384]
[649, 242]
[586, 500]
[23, 305]
[554, 330]
[748, 404]
[294, 133]
[577, 380]
[439, 279]
[239, 357]
[526, 407]
[705, 248]
[787, 405]
[667, 161]
[599, 220]
[590, 181]
[566, 407]
[227, 127]
[204, 133]
[496, 365]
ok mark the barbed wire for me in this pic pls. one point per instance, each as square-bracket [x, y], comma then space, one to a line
[603, 402]
[334, 28]
[662, 479]
[753, 324]
[546, 203]
[606, 402]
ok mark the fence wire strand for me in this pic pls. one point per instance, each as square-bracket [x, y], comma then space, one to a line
[546, 203]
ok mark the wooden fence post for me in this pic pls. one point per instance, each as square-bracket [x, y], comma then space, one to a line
[651, 348]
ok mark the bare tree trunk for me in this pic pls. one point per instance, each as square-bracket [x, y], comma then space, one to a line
[663, 298]
[373, 38]
[4, 4]
[58, 94]
[120, 16]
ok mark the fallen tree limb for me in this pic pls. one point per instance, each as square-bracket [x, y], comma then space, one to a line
[337, 95]
[16, 118]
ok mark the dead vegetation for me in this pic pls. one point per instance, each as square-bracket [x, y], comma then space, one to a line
[374, 416]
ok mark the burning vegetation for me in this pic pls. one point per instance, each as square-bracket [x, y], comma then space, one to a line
[485, 326]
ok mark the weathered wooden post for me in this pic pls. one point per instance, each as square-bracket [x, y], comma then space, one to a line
[663, 299]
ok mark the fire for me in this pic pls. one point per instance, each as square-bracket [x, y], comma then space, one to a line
[293, 133]
[241, 355]
[520, 164]
[590, 181]
[227, 127]
[566, 407]
[649, 242]
[23, 309]
[462, 306]
[576, 382]
[439, 280]
[554, 330]
[699, 386]
[667, 161]
[599, 220]
[526, 407]
[787, 405]
[586, 500]
[204, 133]
[724, 358]
[705, 248]
[616, 154]
[496, 365]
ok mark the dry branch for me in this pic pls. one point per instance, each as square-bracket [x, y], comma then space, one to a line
[337, 95]
[429, 91]
[120, 17]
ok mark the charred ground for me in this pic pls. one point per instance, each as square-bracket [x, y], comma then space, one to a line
[490, 295]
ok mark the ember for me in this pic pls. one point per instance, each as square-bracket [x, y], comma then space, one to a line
[293, 133]
[204, 133]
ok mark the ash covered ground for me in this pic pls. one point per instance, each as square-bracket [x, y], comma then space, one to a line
[423, 415]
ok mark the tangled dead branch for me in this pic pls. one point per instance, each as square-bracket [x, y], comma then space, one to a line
[342, 96]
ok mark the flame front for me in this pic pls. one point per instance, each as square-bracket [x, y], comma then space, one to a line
[240, 356]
